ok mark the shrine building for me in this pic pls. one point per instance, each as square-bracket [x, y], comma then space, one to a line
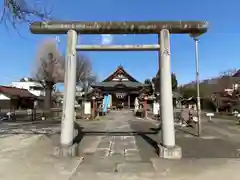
[121, 87]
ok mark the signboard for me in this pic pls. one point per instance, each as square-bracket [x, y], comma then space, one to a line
[87, 108]
[156, 108]
[120, 95]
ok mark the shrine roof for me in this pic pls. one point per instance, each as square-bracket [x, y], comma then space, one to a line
[120, 79]
[122, 84]
[120, 70]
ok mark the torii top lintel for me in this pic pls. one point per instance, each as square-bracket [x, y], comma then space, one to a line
[126, 27]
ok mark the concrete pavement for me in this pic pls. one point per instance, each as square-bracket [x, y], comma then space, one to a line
[26, 157]
[202, 157]
[120, 146]
[188, 169]
[32, 127]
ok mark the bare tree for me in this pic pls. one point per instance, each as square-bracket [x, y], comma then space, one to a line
[49, 68]
[229, 72]
[83, 68]
[84, 74]
[19, 11]
[224, 81]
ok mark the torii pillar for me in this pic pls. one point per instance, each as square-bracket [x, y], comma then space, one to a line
[168, 149]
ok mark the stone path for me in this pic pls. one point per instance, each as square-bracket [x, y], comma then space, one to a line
[123, 139]
[117, 149]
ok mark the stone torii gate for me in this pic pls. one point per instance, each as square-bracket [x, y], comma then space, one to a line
[168, 148]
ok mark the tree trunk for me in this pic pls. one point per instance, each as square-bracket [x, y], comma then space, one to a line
[48, 98]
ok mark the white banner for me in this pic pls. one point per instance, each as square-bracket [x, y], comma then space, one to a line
[87, 108]
[156, 108]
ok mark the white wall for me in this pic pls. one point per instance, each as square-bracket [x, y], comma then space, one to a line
[33, 87]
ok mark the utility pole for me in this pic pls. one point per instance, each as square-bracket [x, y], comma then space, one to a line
[196, 40]
[85, 87]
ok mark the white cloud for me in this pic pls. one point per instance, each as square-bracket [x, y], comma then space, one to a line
[106, 39]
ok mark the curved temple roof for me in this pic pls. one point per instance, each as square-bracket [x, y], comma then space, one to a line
[126, 27]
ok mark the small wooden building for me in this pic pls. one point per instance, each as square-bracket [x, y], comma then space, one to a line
[16, 98]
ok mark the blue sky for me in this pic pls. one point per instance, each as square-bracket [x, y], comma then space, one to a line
[219, 49]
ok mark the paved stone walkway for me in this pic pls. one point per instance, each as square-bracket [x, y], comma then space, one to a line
[117, 149]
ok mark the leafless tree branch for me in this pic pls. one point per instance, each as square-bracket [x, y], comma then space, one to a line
[84, 75]
[84, 71]
[17, 12]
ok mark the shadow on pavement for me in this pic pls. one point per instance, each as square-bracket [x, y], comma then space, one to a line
[77, 139]
[116, 133]
[150, 141]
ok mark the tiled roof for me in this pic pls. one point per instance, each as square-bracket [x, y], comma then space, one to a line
[16, 92]
[115, 84]
[120, 69]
